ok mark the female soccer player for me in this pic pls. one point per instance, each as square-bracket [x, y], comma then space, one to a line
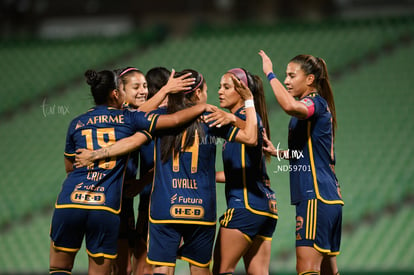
[247, 226]
[90, 199]
[134, 83]
[183, 198]
[156, 77]
[313, 185]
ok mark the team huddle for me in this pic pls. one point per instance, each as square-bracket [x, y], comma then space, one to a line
[161, 123]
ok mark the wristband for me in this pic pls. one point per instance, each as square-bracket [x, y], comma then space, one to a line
[248, 103]
[270, 76]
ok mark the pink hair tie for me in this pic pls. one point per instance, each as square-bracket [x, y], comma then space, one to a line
[240, 74]
[196, 87]
[128, 70]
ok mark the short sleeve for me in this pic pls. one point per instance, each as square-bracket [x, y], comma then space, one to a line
[143, 121]
[228, 132]
[70, 147]
[310, 105]
[147, 134]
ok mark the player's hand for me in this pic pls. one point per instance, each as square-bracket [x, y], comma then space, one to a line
[132, 188]
[84, 157]
[210, 108]
[219, 118]
[268, 145]
[267, 63]
[178, 84]
[242, 89]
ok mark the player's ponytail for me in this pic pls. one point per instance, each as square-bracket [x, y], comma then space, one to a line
[173, 143]
[102, 83]
[324, 86]
[261, 108]
[317, 66]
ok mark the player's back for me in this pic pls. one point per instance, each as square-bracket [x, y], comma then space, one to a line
[185, 183]
[98, 186]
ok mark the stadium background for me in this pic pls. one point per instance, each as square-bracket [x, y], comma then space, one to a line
[46, 46]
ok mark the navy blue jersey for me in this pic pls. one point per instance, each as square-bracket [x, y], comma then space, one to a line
[312, 157]
[184, 187]
[99, 186]
[247, 182]
[132, 166]
[146, 156]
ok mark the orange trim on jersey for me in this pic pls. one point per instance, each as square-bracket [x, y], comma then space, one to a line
[246, 200]
[312, 163]
[231, 137]
[153, 120]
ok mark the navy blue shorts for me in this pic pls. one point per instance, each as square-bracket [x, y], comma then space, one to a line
[319, 225]
[189, 242]
[141, 228]
[100, 229]
[250, 224]
[142, 219]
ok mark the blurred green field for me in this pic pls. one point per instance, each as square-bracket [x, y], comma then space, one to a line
[370, 65]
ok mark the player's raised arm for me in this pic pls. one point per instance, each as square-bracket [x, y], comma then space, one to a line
[174, 84]
[247, 134]
[86, 157]
[220, 118]
[181, 117]
[286, 100]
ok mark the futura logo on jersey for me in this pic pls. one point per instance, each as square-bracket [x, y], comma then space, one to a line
[174, 198]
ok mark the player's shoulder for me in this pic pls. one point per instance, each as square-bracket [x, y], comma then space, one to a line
[128, 113]
[81, 119]
[159, 111]
[316, 98]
